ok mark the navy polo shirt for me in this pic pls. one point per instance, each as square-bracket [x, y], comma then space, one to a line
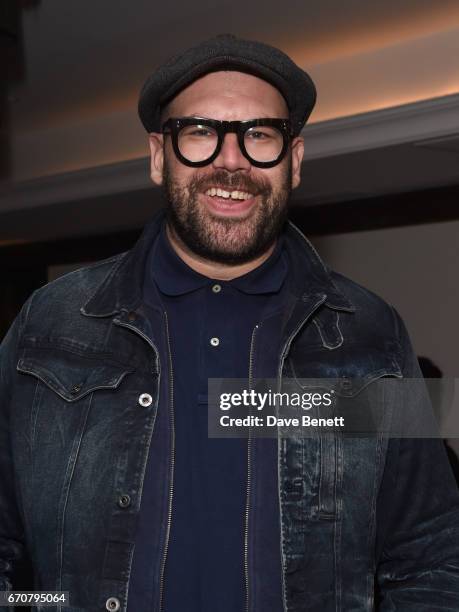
[210, 329]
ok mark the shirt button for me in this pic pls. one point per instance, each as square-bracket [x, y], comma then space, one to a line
[145, 400]
[113, 604]
[124, 501]
[216, 288]
[214, 341]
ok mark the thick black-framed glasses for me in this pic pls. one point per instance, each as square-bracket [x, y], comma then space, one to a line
[197, 141]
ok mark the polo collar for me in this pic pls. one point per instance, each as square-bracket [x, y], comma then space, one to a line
[174, 277]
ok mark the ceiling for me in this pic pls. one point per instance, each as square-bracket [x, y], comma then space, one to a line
[86, 57]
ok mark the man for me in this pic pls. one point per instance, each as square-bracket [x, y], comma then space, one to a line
[110, 485]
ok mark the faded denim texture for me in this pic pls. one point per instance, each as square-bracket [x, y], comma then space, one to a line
[366, 524]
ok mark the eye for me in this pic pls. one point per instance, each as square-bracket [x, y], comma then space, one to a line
[201, 131]
[257, 135]
[261, 134]
[198, 131]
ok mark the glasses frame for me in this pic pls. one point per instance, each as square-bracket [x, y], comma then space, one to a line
[174, 124]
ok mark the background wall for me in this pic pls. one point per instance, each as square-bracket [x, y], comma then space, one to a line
[416, 270]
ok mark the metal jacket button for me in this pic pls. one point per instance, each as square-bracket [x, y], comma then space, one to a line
[216, 288]
[113, 604]
[145, 400]
[124, 501]
[215, 341]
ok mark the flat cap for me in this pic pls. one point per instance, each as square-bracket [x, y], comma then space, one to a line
[228, 52]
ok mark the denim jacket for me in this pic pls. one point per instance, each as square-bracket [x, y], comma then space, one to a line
[366, 524]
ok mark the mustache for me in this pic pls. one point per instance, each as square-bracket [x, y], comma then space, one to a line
[229, 181]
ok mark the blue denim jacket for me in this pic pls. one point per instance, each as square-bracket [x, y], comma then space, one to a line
[366, 524]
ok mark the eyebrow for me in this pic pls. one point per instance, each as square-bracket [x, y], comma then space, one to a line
[195, 115]
[199, 116]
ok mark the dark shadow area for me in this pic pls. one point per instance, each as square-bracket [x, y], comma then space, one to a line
[393, 210]
[15, 289]
[431, 371]
[12, 68]
[103, 216]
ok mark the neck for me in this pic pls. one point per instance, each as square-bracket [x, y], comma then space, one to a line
[214, 269]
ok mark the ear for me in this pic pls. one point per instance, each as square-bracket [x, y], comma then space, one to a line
[156, 158]
[297, 158]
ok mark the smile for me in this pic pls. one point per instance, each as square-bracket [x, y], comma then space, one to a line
[233, 195]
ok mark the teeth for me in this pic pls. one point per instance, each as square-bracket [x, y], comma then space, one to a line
[234, 195]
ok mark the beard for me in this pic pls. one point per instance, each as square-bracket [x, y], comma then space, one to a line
[227, 240]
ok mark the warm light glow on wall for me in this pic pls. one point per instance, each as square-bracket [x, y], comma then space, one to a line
[390, 75]
[371, 36]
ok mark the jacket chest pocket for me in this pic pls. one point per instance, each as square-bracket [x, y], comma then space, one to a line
[63, 393]
[322, 462]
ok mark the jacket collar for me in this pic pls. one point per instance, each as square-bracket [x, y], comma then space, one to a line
[121, 289]
[310, 277]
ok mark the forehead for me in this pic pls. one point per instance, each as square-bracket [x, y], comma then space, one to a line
[227, 95]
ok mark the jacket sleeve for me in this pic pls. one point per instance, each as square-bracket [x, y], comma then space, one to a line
[417, 540]
[13, 558]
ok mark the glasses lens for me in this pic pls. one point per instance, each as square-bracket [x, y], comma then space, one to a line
[263, 143]
[197, 142]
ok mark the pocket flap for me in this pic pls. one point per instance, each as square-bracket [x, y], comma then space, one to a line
[69, 374]
[350, 378]
[350, 387]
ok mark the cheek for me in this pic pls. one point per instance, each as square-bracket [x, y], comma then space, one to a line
[176, 173]
[280, 178]
[170, 161]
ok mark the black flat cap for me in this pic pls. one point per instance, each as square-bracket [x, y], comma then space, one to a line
[228, 52]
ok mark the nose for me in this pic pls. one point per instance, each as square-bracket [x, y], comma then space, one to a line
[230, 156]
